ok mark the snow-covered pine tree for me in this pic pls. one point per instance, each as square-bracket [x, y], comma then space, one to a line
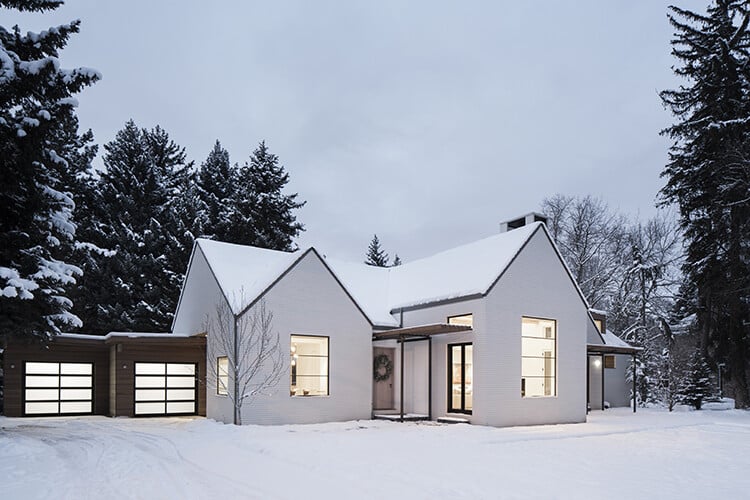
[376, 256]
[396, 261]
[38, 141]
[216, 183]
[708, 175]
[697, 385]
[137, 287]
[263, 215]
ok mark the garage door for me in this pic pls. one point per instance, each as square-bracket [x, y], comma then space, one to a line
[165, 388]
[58, 388]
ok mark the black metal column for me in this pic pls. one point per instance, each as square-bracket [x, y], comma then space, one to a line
[429, 378]
[401, 339]
[602, 368]
[588, 383]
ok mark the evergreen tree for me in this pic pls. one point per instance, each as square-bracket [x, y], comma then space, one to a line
[263, 215]
[375, 255]
[708, 175]
[396, 261]
[216, 185]
[40, 152]
[697, 387]
[146, 214]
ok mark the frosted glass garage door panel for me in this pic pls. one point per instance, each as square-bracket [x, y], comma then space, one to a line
[76, 368]
[68, 394]
[144, 382]
[75, 407]
[40, 408]
[33, 368]
[149, 394]
[181, 407]
[42, 394]
[150, 369]
[180, 382]
[149, 408]
[180, 369]
[42, 381]
[75, 381]
[180, 394]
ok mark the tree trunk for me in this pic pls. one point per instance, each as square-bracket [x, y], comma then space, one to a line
[237, 400]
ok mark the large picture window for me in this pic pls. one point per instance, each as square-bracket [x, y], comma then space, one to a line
[460, 373]
[309, 366]
[538, 357]
[222, 375]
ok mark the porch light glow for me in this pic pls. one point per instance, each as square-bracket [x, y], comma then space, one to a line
[597, 362]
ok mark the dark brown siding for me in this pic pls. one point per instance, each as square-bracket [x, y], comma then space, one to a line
[126, 354]
[61, 351]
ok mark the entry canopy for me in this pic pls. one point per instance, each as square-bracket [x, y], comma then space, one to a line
[611, 349]
[422, 331]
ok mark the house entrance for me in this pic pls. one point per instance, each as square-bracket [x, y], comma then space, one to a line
[460, 373]
[382, 384]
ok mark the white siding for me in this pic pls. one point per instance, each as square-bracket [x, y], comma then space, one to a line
[308, 301]
[200, 295]
[616, 387]
[535, 285]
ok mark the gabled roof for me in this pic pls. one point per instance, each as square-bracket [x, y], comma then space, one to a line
[461, 272]
[244, 272]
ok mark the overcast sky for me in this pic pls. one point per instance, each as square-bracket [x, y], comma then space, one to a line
[427, 123]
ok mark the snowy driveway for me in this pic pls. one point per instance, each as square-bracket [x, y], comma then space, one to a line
[616, 454]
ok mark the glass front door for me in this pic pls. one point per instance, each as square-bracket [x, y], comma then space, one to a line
[460, 378]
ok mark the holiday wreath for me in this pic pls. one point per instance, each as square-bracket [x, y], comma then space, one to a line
[382, 368]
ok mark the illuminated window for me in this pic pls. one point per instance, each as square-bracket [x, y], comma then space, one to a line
[609, 361]
[460, 369]
[462, 320]
[309, 366]
[538, 357]
[222, 375]
[599, 325]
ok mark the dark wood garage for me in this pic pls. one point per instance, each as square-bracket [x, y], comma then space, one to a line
[120, 374]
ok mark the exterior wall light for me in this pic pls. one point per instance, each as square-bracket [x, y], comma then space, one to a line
[597, 362]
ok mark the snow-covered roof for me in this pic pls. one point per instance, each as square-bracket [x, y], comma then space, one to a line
[244, 272]
[459, 272]
[613, 340]
[110, 335]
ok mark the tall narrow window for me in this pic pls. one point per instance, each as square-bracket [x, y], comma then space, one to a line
[460, 373]
[308, 366]
[222, 375]
[538, 357]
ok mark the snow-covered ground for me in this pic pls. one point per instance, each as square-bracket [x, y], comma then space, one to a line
[652, 454]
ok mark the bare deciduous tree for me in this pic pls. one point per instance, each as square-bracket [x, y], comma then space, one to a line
[254, 355]
[591, 238]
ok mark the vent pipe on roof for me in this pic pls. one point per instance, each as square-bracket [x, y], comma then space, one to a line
[524, 220]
